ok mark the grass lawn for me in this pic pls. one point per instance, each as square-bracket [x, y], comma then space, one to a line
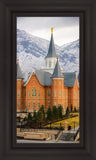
[70, 122]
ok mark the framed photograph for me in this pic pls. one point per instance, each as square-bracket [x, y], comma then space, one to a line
[47, 82]
[47, 57]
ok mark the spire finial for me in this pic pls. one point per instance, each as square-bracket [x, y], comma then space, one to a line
[52, 30]
[57, 59]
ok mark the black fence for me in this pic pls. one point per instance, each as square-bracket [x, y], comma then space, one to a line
[61, 126]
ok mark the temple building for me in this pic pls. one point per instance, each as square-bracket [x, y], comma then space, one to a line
[48, 86]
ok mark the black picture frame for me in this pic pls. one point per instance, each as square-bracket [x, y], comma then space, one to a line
[9, 9]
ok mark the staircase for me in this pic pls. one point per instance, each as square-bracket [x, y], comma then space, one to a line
[67, 137]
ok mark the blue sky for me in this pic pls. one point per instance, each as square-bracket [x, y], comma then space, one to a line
[66, 29]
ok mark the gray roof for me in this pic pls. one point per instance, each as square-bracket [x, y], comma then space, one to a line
[45, 78]
[69, 79]
[51, 50]
[19, 73]
[57, 71]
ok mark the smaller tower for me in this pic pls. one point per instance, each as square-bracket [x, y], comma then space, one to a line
[57, 86]
[19, 87]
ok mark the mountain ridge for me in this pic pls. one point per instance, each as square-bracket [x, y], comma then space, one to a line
[31, 52]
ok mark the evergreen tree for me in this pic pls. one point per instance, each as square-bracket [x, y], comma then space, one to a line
[29, 118]
[39, 117]
[60, 111]
[67, 112]
[49, 114]
[34, 116]
[71, 108]
[42, 110]
[55, 113]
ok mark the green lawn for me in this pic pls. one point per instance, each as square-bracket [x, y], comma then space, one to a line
[70, 122]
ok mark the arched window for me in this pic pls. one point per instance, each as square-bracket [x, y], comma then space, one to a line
[33, 92]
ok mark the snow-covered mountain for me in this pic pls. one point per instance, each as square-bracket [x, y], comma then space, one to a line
[31, 51]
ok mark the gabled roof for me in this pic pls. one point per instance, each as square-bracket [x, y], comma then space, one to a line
[51, 50]
[45, 78]
[42, 76]
[57, 71]
[19, 73]
[69, 79]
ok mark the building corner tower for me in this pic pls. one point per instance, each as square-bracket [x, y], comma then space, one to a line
[57, 86]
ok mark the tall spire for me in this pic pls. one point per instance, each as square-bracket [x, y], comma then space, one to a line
[57, 71]
[51, 50]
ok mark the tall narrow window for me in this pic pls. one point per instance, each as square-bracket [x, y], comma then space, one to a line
[38, 104]
[19, 93]
[48, 93]
[33, 105]
[33, 92]
[48, 103]
[55, 93]
[55, 103]
[55, 82]
[29, 104]
[18, 83]
[28, 93]
[59, 82]
[18, 104]
[39, 93]
[59, 93]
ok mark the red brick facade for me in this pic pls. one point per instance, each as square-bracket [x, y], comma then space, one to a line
[56, 94]
[33, 95]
